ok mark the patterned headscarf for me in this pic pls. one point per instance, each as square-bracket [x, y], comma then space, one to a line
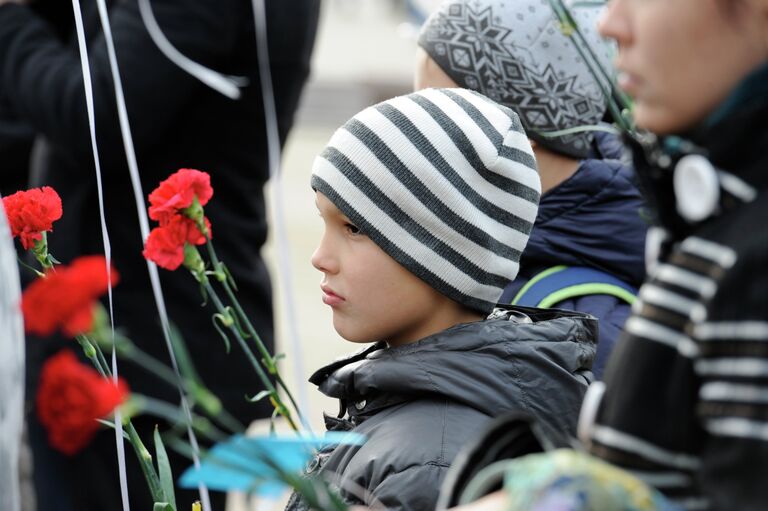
[515, 52]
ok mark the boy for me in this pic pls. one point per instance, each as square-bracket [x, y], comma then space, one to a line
[427, 201]
[589, 215]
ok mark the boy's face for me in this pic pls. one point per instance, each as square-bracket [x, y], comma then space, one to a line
[372, 296]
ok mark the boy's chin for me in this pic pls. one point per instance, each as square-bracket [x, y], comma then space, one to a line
[354, 337]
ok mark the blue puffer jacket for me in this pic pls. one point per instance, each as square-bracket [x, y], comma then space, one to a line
[592, 219]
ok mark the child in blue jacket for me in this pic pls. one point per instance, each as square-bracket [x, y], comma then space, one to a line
[590, 212]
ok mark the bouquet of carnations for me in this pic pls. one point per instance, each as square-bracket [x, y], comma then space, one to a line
[74, 399]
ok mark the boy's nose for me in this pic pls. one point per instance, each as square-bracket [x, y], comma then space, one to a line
[322, 259]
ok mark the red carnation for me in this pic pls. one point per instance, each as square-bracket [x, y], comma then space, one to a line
[165, 244]
[178, 192]
[65, 298]
[70, 397]
[31, 212]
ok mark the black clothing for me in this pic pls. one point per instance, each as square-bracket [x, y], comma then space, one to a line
[176, 122]
[418, 404]
[685, 403]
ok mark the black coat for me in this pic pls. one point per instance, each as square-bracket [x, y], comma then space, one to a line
[176, 122]
[685, 402]
[418, 404]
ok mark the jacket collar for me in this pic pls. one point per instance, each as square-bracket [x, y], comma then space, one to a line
[456, 362]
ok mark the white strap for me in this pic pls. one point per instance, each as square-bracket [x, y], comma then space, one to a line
[144, 227]
[226, 85]
[88, 86]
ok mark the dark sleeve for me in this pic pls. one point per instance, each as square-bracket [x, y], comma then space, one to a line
[43, 80]
[733, 368]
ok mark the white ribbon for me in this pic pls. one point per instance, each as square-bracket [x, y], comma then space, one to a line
[88, 86]
[144, 227]
[226, 85]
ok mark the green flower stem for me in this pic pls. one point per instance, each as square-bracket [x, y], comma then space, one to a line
[198, 392]
[565, 17]
[91, 353]
[274, 396]
[40, 251]
[102, 359]
[267, 357]
[94, 354]
[173, 414]
[145, 460]
[37, 272]
[207, 401]
[269, 360]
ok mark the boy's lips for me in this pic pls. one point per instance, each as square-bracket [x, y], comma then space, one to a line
[329, 297]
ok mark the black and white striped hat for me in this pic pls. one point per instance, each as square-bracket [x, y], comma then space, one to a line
[444, 181]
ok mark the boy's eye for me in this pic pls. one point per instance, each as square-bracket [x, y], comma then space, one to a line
[352, 228]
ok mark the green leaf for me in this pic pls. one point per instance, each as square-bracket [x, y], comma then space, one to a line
[238, 324]
[204, 293]
[272, 421]
[164, 470]
[258, 397]
[111, 425]
[218, 320]
[230, 278]
[163, 506]
[186, 367]
[145, 461]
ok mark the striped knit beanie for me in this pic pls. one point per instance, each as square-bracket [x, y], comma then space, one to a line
[444, 181]
[515, 52]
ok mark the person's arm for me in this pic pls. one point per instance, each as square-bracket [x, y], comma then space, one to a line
[43, 80]
[733, 395]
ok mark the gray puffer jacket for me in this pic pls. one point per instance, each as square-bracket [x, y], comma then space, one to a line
[419, 404]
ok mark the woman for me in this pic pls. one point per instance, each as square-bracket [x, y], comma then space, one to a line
[685, 401]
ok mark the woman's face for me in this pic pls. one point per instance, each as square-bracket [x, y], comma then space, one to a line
[679, 59]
